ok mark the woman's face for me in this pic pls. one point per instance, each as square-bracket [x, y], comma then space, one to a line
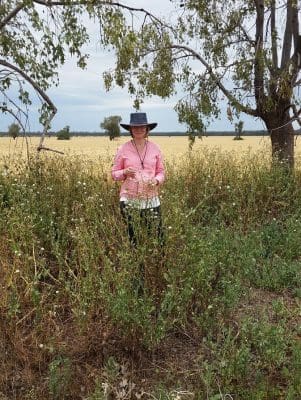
[139, 131]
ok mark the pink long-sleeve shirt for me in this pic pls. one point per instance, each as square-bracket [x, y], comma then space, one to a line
[140, 186]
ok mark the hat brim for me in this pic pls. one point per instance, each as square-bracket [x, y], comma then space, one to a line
[129, 126]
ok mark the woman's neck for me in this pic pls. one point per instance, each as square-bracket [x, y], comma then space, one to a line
[139, 142]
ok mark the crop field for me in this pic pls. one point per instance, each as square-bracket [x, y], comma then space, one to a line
[173, 148]
[95, 147]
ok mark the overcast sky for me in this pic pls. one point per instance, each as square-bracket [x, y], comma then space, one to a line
[83, 103]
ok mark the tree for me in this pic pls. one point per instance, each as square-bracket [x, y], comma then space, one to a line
[35, 38]
[64, 134]
[247, 52]
[14, 130]
[111, 126]
[238, 130]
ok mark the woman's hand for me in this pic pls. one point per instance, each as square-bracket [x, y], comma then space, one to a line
[130, 172]
[153, 182]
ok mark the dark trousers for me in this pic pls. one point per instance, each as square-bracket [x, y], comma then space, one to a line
[137, 221]
[143, 225]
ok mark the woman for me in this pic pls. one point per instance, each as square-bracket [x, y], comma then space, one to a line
[139, 165]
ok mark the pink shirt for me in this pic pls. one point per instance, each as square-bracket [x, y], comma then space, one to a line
[138, 187]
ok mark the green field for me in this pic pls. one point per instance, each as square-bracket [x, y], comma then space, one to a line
[220, 314]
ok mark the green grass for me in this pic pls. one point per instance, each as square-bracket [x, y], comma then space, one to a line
[220, 313]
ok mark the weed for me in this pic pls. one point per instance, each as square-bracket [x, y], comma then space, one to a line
[230, 226]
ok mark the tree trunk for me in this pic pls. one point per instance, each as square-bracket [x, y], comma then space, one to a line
[282, 137]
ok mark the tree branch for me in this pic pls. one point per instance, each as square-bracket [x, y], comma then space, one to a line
[295, 26]
[296, 57]
[9, 111]
[297, 83]
[9, 100]
[217, 80]
[49, 149]
[50, 3]
[41, 93]
[11, 15]
[287, 38]
[258, 64]
[247, 37]
[31, 81]
[296, 113]
[274, 36]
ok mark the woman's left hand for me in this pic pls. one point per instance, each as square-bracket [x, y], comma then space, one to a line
[153, 182]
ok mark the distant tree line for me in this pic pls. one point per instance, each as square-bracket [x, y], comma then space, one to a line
[178, 133]
[111, 128]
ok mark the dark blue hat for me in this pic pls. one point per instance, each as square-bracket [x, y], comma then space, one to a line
[138, 119]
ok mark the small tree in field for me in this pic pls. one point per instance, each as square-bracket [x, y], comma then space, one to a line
[238, 130]
[111, 126]
[64, 134]
[14, 130]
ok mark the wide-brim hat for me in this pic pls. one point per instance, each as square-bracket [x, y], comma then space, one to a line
[139, 119]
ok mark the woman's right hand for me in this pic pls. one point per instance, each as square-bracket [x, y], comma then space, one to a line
[130, 172]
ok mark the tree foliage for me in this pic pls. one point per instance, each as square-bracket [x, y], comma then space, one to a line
[111, 126]
[247, 52]
[36, 37]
